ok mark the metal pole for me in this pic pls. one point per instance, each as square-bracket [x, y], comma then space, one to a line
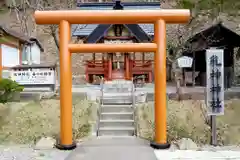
[213, 130]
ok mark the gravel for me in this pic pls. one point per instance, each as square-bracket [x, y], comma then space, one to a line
[220, 148]
[24, 152]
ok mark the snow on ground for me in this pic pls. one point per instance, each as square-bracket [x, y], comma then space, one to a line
[197, 155]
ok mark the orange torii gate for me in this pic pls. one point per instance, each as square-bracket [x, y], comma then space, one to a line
[158, 17]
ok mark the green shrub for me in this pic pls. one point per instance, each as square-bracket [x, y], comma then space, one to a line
[8, 88]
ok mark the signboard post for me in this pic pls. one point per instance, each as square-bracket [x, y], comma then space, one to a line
[215, 81]
[184, 62]
[215, 87]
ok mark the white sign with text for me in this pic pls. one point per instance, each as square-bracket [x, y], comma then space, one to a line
[32, 77]
[215, 81]
[185, 62]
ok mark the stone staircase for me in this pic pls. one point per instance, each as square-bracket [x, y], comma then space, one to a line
[116, 113]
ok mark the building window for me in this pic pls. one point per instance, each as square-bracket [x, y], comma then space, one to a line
[25, 54]
[10, 56]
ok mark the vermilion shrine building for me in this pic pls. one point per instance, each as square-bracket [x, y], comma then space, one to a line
[117, 65]
[113, 65]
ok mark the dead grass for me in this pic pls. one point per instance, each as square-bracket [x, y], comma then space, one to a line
[33, 120]
[4, 110]
[186, 120]
[229, 124]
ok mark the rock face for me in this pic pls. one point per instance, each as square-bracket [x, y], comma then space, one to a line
[45, 143]
[47, 95]
[187, 144]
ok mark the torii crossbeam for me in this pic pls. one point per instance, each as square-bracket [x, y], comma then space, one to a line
[158, 17]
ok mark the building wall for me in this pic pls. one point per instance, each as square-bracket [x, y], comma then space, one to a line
[8, 42]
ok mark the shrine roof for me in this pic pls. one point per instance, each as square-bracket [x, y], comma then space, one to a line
[135, 29]
[21, 37]
[85, 30]
[217, 35]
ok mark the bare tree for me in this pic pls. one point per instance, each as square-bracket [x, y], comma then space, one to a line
[181, 33]
[24, 13]
[176, 43]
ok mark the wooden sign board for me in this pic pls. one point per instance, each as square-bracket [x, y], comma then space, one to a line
[215, 81]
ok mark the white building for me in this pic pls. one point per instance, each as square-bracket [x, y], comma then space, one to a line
[17, 49]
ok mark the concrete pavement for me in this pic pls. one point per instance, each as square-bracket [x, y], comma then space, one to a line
[129, 148]
[132, 148]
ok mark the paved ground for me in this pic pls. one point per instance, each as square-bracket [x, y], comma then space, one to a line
[138, 149]
[120, 149]
[113, 149]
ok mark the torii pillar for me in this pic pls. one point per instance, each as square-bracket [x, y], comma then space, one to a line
[158, 17]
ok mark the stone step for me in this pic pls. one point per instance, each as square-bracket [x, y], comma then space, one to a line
[116, 116]
[115, 137]
[120, 86]
[117, 101]
[116, 123]
[119, 81]
[119, 90]
[117, 95]
[117, 85]
[116, 131]
[116, 108]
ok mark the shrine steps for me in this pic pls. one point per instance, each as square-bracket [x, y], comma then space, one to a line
[116, 120]
[116, 113]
